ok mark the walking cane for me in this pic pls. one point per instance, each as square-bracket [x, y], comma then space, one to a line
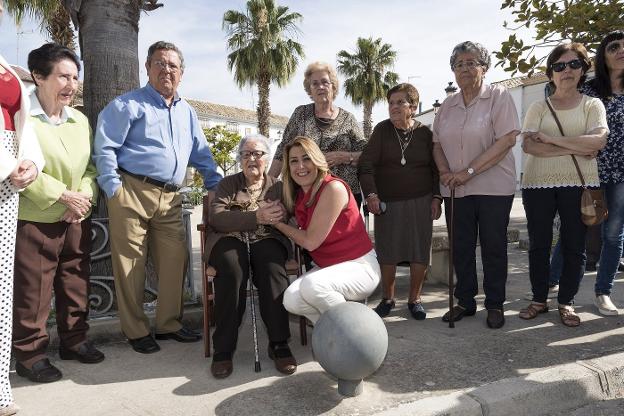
[451, 278]
[252, 308]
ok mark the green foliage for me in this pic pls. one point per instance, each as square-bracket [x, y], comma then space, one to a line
[262, 49]
[222, 142]
[53, 17]
[368, 80]
[555, 21]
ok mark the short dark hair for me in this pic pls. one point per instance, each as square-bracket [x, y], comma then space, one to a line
[559, 50]
[602, 81]
[41, 61]
[410, 92]
[167, 46]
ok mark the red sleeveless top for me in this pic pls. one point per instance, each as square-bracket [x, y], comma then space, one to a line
[347, 240]
[10, 98]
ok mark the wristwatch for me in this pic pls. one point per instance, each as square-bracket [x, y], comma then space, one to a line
[470, 171]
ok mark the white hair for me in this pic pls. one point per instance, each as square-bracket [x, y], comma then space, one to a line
[260, 138]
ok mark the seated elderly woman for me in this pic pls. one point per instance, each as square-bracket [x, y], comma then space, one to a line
[245, 207]
[331, 228]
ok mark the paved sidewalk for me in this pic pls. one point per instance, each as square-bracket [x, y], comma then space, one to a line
[537, 367]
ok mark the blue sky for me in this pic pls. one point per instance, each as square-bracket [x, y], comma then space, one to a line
[423, 32]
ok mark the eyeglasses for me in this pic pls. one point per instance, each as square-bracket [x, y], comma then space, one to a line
[324, 83]
[467, 64]
[257, 154]
[164, 65]
[613, 47]
[560, 66]
[400, 103]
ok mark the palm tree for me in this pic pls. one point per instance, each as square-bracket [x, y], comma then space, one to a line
[368, 81]
[262, 50]
[54, 18]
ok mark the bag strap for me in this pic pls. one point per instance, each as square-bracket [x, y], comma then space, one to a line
[576, 165]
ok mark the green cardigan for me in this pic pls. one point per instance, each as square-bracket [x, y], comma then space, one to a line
[67, 151]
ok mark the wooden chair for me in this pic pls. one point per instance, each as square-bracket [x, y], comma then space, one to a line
[209, 273]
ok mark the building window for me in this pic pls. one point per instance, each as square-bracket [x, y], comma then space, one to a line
[232, 126]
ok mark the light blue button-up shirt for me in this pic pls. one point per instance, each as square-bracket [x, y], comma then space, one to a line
[140, 133]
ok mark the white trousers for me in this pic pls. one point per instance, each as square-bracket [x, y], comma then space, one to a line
[323, 287]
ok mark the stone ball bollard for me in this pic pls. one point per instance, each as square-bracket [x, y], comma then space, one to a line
[350, 342]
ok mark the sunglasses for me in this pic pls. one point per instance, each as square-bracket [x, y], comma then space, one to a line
[613, 47]
[573, 64]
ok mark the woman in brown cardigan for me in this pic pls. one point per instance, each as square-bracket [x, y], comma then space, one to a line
[397, 167]
[245, 207]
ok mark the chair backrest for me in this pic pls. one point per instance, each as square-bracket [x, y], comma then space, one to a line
[206, 201]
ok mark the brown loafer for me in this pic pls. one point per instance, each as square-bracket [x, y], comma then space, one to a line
[221, 369]
[284, 361]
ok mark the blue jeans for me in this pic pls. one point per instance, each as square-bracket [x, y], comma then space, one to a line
[556, 264]
[612, 237]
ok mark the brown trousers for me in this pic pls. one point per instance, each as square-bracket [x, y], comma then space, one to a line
[143, 216]
[50, 256]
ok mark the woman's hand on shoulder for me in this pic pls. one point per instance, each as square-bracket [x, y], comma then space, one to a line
[337, 158]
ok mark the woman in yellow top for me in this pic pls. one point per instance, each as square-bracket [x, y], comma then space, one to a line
[53, 243]
[551, 183]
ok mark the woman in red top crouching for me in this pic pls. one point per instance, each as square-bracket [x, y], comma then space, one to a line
[330, 228]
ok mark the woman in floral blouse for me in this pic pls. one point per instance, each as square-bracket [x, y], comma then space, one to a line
[608, 85]
[335, 130]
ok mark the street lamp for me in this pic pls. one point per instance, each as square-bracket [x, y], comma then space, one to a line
[450, 89]
[436, 106]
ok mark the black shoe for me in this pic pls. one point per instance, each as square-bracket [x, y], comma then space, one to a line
[590, 267]
[86, 354]
[183, 334]
[458, 313]
[285, 363]
[495, 318]
[221, 366]
[384, 307]
[41, 372]
[417, 311]
[144, 345]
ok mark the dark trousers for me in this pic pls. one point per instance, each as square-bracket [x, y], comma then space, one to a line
[540, 206]
[485, 217]
[50, 256]
[229, 258]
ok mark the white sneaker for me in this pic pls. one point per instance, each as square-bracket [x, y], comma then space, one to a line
[605, 306]
[553, 292]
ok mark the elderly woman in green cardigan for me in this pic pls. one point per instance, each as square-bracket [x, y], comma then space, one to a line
[53, 242]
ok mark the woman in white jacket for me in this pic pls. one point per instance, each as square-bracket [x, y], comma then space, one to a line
[20, 162]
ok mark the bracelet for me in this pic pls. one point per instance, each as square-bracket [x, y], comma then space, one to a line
[372, 195]
[439, 197]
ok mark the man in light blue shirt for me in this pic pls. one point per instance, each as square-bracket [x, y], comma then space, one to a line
[143, 143]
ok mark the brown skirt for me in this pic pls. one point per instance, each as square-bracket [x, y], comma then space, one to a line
[403, 232]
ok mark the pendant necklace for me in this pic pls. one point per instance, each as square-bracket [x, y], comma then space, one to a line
[403, 143]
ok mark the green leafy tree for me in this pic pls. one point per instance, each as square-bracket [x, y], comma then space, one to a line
[555, 21]
[53, 17]
[222, 142]
[368, 78]
[262, 50]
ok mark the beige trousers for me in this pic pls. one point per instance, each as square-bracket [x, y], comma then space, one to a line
[143, 216]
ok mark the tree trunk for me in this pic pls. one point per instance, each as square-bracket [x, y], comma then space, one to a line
[108, 37]
[368, 119]
[264, 107]
[108, 33]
